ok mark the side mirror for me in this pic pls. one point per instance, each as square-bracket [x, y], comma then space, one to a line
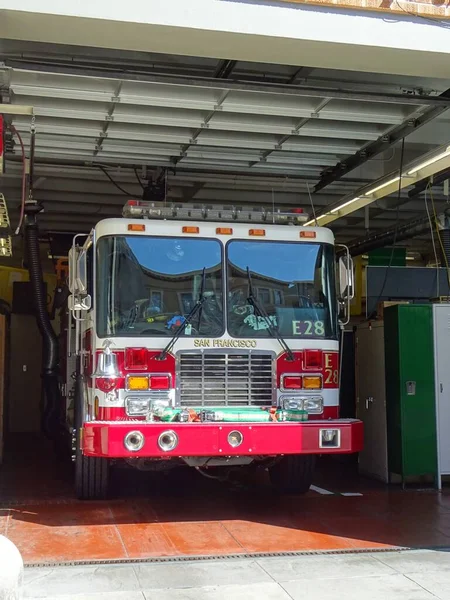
[346, 278]
[81, 272]
[72, 269]
[77, 303]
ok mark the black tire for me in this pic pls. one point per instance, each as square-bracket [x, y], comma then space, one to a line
[91, 477]
[293, 474]
[91, 472]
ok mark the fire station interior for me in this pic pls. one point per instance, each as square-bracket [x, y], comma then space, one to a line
[83, 131]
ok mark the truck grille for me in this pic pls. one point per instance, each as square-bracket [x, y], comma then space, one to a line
[225, 379]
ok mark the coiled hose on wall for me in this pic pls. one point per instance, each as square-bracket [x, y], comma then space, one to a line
[50, 363]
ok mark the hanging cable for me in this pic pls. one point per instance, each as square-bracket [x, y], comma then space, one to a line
[399, 192]
[24, 179]
[433, 244]
[312, 205]
[138, 178]
[444, 254]
[133, 196]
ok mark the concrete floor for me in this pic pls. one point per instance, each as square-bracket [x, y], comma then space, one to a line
[403, 575]
[186, 515]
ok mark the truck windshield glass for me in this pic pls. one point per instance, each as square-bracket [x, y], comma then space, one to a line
[293, 282]
[146, 286]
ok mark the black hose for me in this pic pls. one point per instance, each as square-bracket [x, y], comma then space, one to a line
[50, 363]
[51, 350]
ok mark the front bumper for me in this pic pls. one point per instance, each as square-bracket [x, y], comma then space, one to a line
[106, 438]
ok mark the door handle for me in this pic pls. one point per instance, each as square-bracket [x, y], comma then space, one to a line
[441, 387]
[369, 401]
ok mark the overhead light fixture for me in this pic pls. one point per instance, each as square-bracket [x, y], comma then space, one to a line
[341, 206]
[313, 221]
[413, 173]
[430, 161]
[382, 185]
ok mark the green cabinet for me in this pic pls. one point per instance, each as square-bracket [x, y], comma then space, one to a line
[410, 391]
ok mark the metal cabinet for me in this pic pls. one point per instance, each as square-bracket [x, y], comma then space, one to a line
[371, 399]
[25, 389]
[410, 391]
[441, 323]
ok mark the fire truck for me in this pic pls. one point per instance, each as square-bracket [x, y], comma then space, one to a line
[206, 337]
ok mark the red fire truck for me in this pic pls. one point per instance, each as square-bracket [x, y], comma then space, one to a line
[207, 337]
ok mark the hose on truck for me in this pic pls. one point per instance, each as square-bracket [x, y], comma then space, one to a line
[50, 362]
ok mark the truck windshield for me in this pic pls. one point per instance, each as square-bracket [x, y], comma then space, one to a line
[293, 282]
[146, 286]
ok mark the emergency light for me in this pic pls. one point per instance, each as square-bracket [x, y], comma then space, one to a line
[150, 210]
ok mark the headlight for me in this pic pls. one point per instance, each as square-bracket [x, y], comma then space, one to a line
[157, 406]
[314, 405]
[292, 403]
[137, 407]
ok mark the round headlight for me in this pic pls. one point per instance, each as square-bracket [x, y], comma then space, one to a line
[235, 438]
[134, 441]
[167, 441]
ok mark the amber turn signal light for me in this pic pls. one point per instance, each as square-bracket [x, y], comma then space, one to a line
[312, 383]
[137, 383]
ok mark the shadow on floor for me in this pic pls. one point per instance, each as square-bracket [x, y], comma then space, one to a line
[184, 513]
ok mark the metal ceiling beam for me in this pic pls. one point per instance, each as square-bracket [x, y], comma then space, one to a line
[302, 73]
[404, 231]
[435, 180]
[381, 144]
[224, 69]
[191, 170]
[336, 93]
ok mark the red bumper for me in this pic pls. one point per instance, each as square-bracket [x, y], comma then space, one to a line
[211, 439]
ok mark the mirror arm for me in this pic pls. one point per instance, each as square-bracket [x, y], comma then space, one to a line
[80, 319]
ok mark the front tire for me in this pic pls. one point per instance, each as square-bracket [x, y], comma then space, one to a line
[91, 472]
[293, 474]
[91, 477]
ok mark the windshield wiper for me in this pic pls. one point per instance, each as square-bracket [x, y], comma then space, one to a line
[197, 308]
[259, 308]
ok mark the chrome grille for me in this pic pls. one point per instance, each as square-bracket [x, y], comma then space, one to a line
[225, 378]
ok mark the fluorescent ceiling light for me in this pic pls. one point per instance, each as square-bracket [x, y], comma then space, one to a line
[338, 208]
[15, 109]
[382, 185]
[313, 221]
[430, 161]
[412, 173]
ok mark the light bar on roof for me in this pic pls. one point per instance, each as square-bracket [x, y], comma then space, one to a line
[140, 209]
